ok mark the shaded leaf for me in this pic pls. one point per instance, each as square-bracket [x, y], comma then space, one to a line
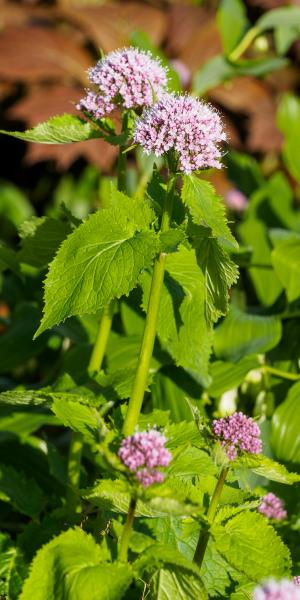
[241, 334]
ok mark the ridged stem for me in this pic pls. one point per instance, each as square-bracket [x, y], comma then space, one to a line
[211, 513]
[74, 463]
[146, 350]
[127, 530]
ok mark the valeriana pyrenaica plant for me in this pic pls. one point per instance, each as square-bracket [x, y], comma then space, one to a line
[178, 512]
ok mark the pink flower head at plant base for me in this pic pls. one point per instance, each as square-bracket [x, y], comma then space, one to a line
[143, 453]
[127, 78]
[185, 125]
[272, 507]
[238, 433]
[277, 590]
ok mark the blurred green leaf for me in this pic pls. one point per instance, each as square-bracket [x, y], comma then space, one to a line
[9, 260]
[16, 344]
[288, 121]
[241, 334]
[287, 16]
[266, 283]
[23, 493]
[218, 70]
[286, 261]
[228, 375]
[285, 431]
[41, 237]
[14, 205]
[232, 22]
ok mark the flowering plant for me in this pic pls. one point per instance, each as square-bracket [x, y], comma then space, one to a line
[180, 493]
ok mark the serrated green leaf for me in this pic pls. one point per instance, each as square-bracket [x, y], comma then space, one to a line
[61, 129]
[23, 493]
[190, 463]
[220, 274]
[45, 397]
[286, 261]
[80, 418]
[285, 431]
[182, 327]
[206, 207]
[179, 434]
[70, 566]
[170, 240]
[101, 260]
[175, 576]
[41, 241]
[266, 467]
[239, 543]
[241, 334]
[114, 496]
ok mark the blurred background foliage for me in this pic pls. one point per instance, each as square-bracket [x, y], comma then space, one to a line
[244, 59]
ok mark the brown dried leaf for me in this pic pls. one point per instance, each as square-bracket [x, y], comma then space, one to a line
[202, 45]
[185, 21]
[263, 135]
[44, 102]
[242, 95]
[110, 25]
[39, 53]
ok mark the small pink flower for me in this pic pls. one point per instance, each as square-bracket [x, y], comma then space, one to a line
[296, 580]
[185, 125]
[277, 590]
[272, 507]
[142, 453]
[236, 200]
[238, 433]
[127, 78]
[185, 74]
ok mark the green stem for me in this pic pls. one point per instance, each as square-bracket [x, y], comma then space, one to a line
[126, 533]
[72, 496]
[244, 44]
[102, 338]
[281, 374]
[211, 513]
[122, 159]
[141, 375]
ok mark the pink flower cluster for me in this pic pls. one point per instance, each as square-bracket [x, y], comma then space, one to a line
[296, 580]
[143, 452]
[183, 124]
[277, 590]
[238, 432]
[127, 78]
[272, 507]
